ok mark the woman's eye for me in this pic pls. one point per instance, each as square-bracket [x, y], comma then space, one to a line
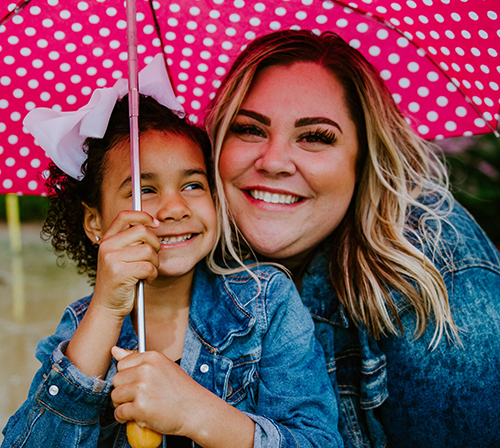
[323, 136]
[246, 129]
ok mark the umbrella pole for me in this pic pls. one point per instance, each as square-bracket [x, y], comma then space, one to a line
[138, 437]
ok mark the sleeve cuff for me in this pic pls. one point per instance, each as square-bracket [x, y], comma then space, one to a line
[69, 393]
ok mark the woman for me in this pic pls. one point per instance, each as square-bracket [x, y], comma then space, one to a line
[322, 174]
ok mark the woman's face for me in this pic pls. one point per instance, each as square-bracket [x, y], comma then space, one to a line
[288, 163]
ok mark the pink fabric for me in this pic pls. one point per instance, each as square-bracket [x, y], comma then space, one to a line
[55, 53]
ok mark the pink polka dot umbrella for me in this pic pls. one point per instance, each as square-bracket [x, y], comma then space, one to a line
[440, 58]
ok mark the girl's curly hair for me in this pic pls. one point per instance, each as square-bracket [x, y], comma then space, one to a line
[64, 223]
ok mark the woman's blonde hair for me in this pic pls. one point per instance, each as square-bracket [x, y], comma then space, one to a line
[371, 251]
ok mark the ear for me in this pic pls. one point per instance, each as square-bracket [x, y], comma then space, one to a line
[92, 222]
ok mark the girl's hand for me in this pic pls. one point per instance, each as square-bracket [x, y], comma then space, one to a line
[155, 392]
[128, 253]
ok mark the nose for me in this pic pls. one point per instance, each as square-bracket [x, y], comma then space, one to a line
[275, 159]
[173, 207]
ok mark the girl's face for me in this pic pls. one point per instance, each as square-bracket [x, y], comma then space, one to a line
[288, 163]
[174, 190]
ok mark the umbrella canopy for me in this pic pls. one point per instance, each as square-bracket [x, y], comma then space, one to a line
[439, 58]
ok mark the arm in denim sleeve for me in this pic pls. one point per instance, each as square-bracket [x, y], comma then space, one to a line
[63, 405]
[296, 402]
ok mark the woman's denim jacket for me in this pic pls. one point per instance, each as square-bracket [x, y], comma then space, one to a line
[398, 392]
[256, 350]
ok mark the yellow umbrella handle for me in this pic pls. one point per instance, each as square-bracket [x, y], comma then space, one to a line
[140, 437]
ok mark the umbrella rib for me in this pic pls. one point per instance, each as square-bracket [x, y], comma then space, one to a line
[387, 24]
[19, 7]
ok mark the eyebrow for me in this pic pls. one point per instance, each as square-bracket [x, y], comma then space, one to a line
[316, 120]
[299, 123]
[152, 176]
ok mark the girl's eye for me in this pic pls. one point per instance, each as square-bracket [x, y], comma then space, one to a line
[147, 190]
[194, 186]
[246, 129]
[323, 136]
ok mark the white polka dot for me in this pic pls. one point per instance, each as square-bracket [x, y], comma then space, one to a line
[45, 96]
[451, 87]
[3, 127]
[450, 126]
[404, 83]
[194, 11]
[47, 23]
[87, 40]
[4, 104]
[402, 42]
[274, 25]
[174, 7]
[77, 27]
[477, 100]
[492, 52]
[15, 116]
[423, 129]
[423, 91]
[321, 19]
[432, 76]
[442, 101]
[413, 67]
[25, 51]
[397, 97]
[24, 151]
[35, 163]
[342, 23]
[394, 58]
[362, 28]
[466, 34]
[280, 11]
[32, 185]
[65, 67]
[413, 107]
[33, 83]
[355, 43]
[385, 74]
[9, 60]
[21, 174]
[13, 139]
[7, 184]
[382, 34]
[195, 105]
[466, 83]
[5, 80]
[374, 50]
[439, 18]
[432, 116]
[30, 105]
[101, 82]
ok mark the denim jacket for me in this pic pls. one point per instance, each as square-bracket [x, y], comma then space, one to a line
[398, 392]
[256, 350]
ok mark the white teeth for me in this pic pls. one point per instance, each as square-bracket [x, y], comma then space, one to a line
[175, 239]
[274, 198]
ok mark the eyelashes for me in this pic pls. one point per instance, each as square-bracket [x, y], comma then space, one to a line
[319, 135]
[324, 136]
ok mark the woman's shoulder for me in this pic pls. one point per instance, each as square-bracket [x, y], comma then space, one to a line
[452, 239]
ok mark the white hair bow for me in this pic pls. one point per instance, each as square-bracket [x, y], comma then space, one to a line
[62, 134]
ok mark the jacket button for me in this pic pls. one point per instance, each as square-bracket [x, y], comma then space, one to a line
[204, 368]
[229, 390]
[53, 390]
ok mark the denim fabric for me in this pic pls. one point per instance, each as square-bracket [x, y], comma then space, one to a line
[396, 391]
[255, 350]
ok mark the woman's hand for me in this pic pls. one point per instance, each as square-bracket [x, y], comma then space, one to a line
[128, 253]
[155, 392]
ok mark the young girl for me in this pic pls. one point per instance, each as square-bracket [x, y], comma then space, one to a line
[251, 372]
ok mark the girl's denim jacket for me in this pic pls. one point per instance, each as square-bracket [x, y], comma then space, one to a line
[256, 350]
[399, 392]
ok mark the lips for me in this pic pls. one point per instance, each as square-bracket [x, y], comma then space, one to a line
[175, 239]
[274, 198]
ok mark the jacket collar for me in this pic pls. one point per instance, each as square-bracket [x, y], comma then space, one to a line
[216, 313]
[318, 293]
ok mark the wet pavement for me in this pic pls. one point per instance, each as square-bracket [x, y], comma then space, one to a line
[34, 291]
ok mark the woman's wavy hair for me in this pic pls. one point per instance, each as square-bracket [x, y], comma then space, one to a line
[64, 223]
[372, 253]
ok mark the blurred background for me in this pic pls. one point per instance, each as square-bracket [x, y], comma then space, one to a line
[35, 286]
